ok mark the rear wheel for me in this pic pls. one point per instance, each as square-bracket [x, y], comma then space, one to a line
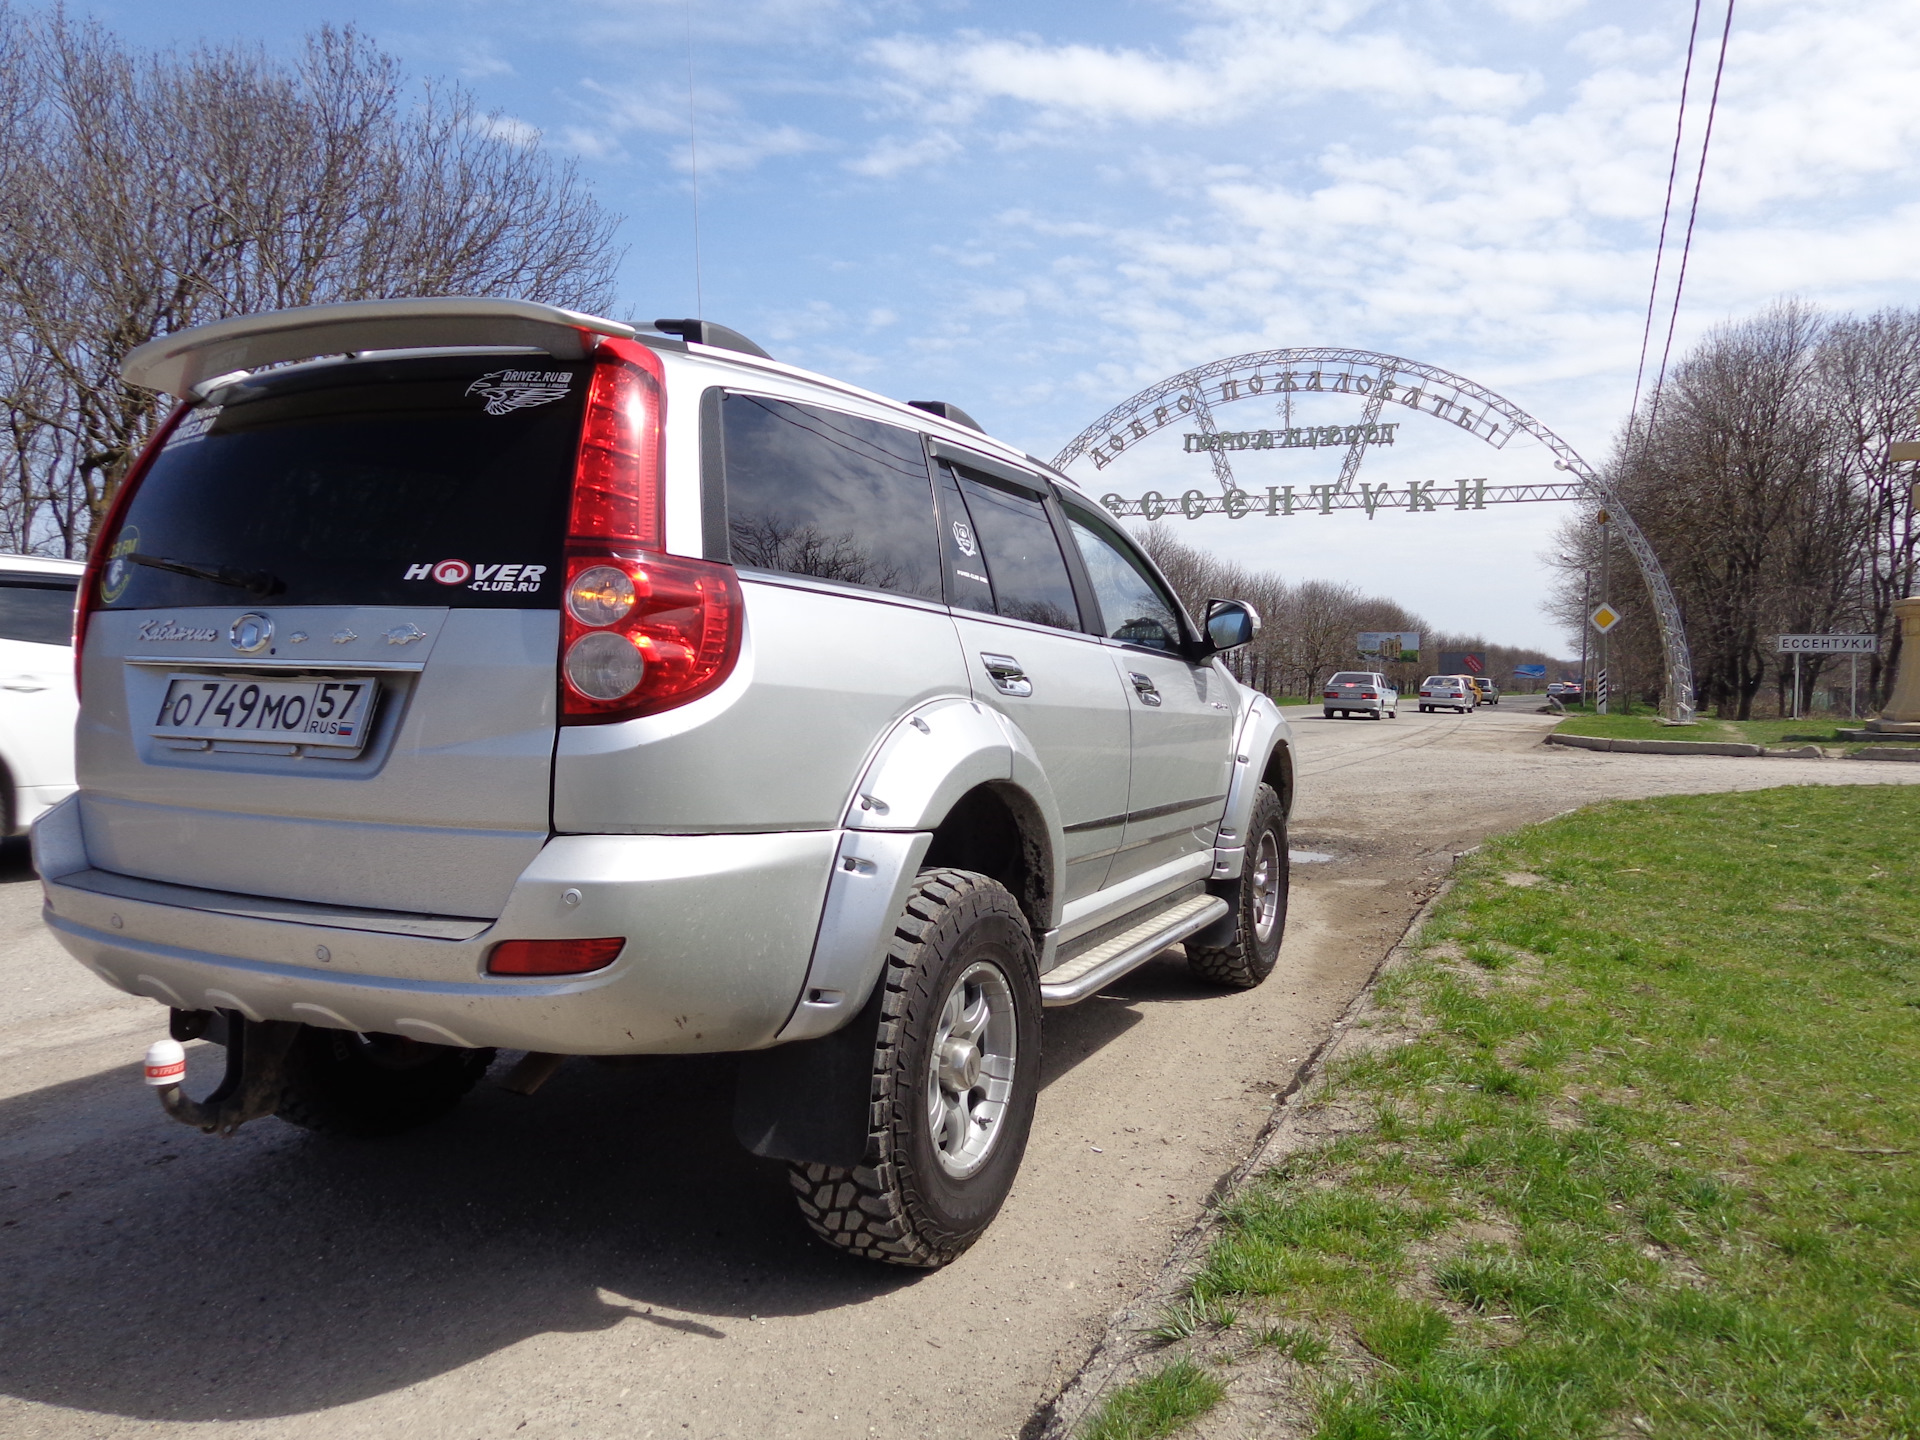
[1260, 906]
[956, 1071]
[342, 1083]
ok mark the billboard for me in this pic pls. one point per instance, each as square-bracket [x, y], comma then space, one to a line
[1529, 672]
[1391, 645]
[1463, 662]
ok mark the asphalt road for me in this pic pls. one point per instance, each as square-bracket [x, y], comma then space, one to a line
[600, 1259]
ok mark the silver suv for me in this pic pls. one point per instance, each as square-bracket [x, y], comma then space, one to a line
[508, 679]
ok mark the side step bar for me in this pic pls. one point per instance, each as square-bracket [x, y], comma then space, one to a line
[1106, 962]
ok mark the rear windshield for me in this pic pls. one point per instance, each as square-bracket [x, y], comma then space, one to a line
[437, 481]
[1351, 677]
[40, 610]
[1443, 682]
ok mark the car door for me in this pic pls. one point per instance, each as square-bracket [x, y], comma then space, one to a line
[1183, 710]
[1029, 657]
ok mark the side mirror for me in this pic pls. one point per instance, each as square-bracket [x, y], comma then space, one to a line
[1230, 623]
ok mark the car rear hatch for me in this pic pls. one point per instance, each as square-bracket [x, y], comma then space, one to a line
[320, 659]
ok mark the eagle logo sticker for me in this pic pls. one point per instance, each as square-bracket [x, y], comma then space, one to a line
[508, 390]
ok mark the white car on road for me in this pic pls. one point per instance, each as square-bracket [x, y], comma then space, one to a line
[37, 698]
[1364, 692]
[1451, 692]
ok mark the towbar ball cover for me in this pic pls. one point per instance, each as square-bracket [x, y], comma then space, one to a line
[166, 1063]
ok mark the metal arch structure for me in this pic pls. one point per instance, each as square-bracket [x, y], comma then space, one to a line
[1381, 380]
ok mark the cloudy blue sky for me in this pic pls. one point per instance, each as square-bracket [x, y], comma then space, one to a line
[1035, 210]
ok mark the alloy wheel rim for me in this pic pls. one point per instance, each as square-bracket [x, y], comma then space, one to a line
[970, 1069]
[1266, 888]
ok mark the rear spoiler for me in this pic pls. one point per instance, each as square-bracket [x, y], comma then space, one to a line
[177, 363]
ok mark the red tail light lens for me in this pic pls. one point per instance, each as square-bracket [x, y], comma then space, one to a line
[640, 632]
[616, 484]
[554, 957]
[88, 598]
[677, 640]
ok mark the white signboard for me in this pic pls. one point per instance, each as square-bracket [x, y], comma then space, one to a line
[1828, 645]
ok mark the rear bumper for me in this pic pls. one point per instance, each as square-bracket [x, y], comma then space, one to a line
[719, 928]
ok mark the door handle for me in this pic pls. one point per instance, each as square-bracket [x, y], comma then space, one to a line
[1143, 686]
[1007, 676]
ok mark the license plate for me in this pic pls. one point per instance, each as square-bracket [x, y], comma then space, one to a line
[333, 713]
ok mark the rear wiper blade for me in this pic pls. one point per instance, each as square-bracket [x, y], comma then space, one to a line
[257, 582]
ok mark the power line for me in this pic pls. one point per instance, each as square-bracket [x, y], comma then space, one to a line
[1680, 283]
[1666, 213]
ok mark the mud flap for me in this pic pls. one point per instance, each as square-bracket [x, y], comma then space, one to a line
[811, 1101]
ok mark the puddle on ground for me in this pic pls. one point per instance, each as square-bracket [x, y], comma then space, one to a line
[1308, 857]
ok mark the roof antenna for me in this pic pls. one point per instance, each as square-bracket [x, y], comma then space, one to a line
[693, 162]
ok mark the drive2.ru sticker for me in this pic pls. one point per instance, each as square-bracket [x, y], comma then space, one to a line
[518, 579]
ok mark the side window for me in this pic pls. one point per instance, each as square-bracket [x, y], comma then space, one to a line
[1133, 607]
[40, 613]
[968, 587]
[1027, 572]
[814, 492]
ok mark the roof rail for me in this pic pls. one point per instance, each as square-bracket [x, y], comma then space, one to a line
[706, 332]
[947, 410]
[177, 363]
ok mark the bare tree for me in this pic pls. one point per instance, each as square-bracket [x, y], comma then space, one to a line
[142, 193]
[1765, 487]
[1870, 375]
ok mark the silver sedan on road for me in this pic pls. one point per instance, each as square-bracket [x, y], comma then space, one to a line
[1363, 692]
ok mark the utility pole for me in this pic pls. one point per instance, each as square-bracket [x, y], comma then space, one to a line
[1586, 609]
[1606, 649]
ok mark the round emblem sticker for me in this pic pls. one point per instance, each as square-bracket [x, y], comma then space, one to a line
[453, 572]
[963, 537]
[119, 570]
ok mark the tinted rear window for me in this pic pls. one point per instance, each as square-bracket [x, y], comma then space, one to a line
[36, 610]
[816, 492]
[1351, 677]
[440, 481]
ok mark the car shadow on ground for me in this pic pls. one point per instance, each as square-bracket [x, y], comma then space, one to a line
[156, 1273]
[16, 859]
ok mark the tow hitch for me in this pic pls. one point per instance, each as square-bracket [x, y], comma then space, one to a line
[256, 1066]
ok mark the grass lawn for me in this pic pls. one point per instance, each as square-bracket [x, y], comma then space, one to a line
[1646, 726]
[1639, 1153]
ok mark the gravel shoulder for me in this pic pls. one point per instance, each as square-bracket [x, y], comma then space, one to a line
[601, 1258]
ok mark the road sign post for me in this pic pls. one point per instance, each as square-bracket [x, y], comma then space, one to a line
[1603, 619]
[1853, 646]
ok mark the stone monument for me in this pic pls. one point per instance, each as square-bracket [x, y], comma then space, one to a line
[1902, 713]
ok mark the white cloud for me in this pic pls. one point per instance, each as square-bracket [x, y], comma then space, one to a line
[722, 137]
[1248, 60]
[890, 155]
[507, 127]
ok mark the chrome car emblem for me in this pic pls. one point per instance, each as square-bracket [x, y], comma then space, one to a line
[251, 633]
[344, 637]
[405, 634]
[298, 637]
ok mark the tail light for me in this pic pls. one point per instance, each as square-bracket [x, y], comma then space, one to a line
[87, 600]
[553, 957]
[641, 631]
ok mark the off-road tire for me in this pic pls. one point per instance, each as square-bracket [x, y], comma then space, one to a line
[362, 1086]
[900, 1205]
[1249, 958]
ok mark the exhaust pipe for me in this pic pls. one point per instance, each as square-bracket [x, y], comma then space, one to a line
[255, 1076]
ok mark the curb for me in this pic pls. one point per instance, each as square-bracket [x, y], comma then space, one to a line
[1885, 752]
[1672, 747]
